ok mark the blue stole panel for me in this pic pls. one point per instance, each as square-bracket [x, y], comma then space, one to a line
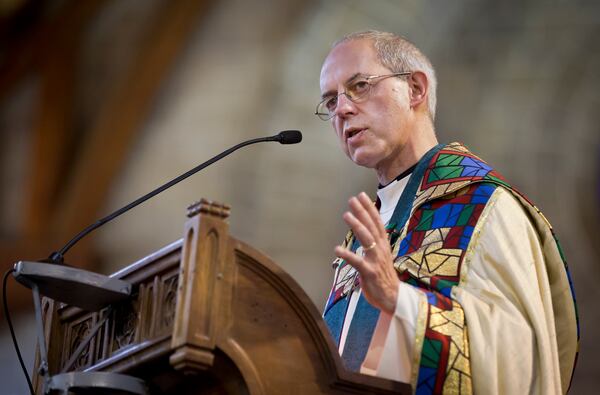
[334, 318]
[359, 334]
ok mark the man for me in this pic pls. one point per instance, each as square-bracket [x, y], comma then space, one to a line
[452, 281]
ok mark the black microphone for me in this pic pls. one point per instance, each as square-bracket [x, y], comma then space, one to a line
[289, 137]
[284, 137]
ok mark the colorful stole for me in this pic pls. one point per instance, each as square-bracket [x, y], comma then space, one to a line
[441, 206]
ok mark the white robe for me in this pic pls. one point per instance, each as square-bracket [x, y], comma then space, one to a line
[506, 297]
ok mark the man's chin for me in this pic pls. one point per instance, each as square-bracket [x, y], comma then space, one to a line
[364, 160]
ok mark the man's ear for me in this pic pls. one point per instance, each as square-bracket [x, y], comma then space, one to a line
[419, 88]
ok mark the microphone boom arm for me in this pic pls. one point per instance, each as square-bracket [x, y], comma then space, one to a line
[58, 257]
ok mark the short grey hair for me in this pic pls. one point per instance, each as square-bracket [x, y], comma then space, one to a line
[398, 54]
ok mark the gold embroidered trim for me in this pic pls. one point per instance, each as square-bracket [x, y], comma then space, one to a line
[419, 337]
[476, 233]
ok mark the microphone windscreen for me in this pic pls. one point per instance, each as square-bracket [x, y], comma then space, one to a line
[290, 137]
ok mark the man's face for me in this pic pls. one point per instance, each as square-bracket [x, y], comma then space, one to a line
[373, 131]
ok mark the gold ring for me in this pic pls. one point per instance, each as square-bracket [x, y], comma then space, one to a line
[373, 244]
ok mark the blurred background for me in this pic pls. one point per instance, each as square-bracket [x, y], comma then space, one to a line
[103, 100]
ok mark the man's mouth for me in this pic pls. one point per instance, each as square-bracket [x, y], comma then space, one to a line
[352, 132]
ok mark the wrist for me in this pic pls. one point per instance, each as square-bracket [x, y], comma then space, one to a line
[391, 301]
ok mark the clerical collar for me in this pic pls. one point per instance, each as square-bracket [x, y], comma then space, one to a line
[405, 173]
[388, 196]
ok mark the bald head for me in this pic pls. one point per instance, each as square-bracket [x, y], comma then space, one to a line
[398, 54]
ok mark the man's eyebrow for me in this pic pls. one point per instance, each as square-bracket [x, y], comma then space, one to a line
[331, 93]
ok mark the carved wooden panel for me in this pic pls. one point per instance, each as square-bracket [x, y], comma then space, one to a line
[125, 325]
[75, 333]
[168, 301]
[147, 306]
[146, 318]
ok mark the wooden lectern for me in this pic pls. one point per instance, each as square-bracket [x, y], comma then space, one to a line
[209, 315]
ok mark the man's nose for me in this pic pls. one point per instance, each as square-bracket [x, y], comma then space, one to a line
[345, 106]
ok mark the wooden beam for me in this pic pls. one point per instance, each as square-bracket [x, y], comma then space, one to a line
[53, 125]
[24, 53]
[52, 57]
[19, 58]
[122, 115]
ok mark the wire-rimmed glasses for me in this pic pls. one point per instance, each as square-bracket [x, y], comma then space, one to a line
[357, 89]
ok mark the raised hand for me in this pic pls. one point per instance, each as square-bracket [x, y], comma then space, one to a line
[379, 280]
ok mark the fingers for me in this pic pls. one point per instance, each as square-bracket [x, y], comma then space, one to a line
[354, 260]
[365, 212]
[373, 213]
[362, 215]
[379, 286]
[379, 278]
[362, 233]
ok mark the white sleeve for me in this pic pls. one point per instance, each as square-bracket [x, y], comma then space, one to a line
[391, 350]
